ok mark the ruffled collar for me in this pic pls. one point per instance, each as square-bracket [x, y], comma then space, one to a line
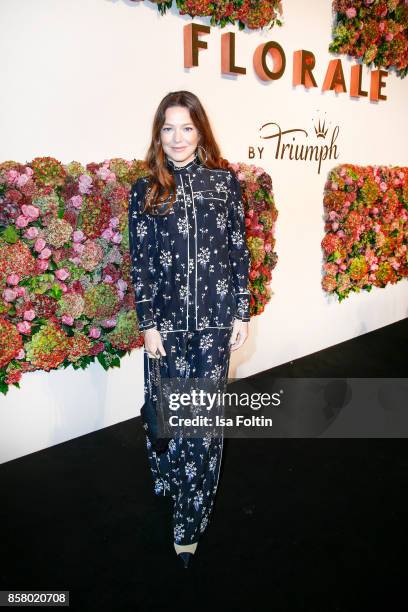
[188, 168]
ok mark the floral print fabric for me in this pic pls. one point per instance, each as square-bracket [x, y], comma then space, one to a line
[190, 266]
[189, 470]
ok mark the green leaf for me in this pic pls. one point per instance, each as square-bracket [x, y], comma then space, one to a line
[55, 291]
[10, 235]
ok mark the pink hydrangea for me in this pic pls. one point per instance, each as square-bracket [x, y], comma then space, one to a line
[85, 184]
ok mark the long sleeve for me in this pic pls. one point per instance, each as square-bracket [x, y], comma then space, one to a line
[142, 244]
[238, 251]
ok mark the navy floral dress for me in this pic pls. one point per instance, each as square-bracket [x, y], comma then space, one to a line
[190, 276]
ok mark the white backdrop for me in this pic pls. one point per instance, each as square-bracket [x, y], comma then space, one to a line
[81, 80]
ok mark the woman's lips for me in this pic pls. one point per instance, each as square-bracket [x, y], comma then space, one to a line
[180, 149]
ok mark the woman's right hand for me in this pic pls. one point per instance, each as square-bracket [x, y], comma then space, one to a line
[153, 343]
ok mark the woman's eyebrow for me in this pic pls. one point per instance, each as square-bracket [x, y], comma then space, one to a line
[183, 124]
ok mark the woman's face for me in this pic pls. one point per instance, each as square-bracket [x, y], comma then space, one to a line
[179, 136]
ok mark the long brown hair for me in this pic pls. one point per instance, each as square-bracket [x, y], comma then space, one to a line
[161, 181]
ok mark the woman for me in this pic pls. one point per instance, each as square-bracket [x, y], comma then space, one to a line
[190, 275]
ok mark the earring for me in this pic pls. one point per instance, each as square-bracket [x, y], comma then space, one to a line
[205, 152]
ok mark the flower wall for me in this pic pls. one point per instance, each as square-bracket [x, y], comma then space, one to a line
[375, 31]
[253, 14]
[66, 296]
[366, 213]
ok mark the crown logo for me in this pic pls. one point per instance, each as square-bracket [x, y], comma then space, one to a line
[321, 130]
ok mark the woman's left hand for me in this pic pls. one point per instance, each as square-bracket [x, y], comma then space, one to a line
[239, 334]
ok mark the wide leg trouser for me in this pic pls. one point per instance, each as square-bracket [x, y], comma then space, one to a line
[189, 470]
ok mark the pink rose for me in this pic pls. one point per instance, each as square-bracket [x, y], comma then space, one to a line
[31, 232]
[22, 221]
[45, 253]
[334, 186]
[78, 235]
[76, 201]
[29, 315]
[20, 354]
[109, 322]
[78, 248]
[62, 286]
[107, 233]
[103, 172]
[351, 12]
[107, 279]
[9, 295]
[268, 247]
[22, 179]
[335, 226]
[21, 291]
[117, 238]
[13, 279]
[121, 284]
[383, 186]
[30, 211]
[39, 244]
[67, 319]
[94, 332]
[42, 265]
[114, 222]
[24, 327]
[12, 176]
[62, 274]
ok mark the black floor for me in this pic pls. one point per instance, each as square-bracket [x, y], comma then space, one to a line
[298, 524]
